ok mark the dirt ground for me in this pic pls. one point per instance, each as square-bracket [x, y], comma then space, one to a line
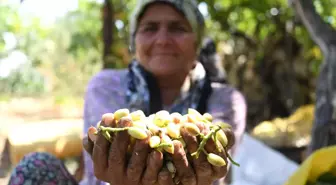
[30, 110]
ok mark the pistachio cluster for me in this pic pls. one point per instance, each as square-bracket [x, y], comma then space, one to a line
[163, 128]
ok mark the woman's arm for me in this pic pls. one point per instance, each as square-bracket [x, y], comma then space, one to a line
[238, 119]
[228, 105]
[101, 97]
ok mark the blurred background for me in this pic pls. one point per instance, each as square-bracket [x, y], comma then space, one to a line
[50, 49]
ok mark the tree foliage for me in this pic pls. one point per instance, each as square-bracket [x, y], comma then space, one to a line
[266, 51]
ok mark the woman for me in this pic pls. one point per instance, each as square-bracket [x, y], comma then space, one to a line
[165, 37]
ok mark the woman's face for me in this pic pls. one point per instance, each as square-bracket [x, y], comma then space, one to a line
[165, 43]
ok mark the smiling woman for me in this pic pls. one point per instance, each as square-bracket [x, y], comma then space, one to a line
[165, 45]
[164, 75]
[165, 42]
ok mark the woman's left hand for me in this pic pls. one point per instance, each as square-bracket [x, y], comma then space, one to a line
[198, 171]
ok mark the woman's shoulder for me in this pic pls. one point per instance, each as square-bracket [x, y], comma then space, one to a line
[108, 78]
[108, 88]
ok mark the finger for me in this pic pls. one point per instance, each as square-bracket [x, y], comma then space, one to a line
[108, 120]
[165, 177]
[92, 133]
[137, 161]
[184, 169]
[231, 138]
[89, 139]
[201, 166]
[99, 155]
[218, 171]
[202, 126]
[87, 145]
[154, 164]
[118, 150]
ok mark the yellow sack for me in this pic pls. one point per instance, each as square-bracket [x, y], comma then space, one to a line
[321, 161]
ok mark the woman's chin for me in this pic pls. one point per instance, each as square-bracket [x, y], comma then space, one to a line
[165, 67]
[165, 71]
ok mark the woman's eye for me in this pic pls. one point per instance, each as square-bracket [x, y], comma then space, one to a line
[149, 29]
[179, 29]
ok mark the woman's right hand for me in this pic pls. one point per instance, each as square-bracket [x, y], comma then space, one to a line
[111, 164]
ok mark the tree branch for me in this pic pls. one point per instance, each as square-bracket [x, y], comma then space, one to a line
[108, 24]
[324, 130]
[321, 32]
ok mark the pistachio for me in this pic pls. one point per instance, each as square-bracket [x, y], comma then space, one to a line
[192, 129]
[176, 117]
[162, 118]
[215, 160]
[153, 128]
[195, 114]
[137, 133]
[192, 118]
[173, 130]
[154, 141]
[208, 117]
[162, 128]
[139, 124]
[223, 124]
[170, 166]
[170, 147]
[221, 137]
[138, 115]
[121, 113]
[184, 119]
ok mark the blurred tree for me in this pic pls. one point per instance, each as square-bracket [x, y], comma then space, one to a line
[266, 52]
[19, 75]
[265, 49]
[108, 25]
[324, 35]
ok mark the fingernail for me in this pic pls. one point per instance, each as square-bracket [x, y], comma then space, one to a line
[107, 119]
[201, 126]
[156, 155]
[164, 175]
[178, 145]
[125, 122]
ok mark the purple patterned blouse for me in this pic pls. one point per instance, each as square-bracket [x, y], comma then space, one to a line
[106, 93]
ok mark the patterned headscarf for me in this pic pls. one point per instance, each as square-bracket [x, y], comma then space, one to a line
[187, 7]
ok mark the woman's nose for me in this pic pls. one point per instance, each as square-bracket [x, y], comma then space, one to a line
[163, 37]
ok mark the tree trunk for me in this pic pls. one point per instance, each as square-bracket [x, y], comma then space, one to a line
[108, 25]
[324, 130]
